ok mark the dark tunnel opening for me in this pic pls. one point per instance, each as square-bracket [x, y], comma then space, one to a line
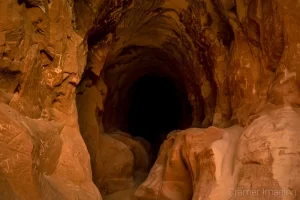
[156, 107]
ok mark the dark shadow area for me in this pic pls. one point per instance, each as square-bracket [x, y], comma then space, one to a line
[156, 107]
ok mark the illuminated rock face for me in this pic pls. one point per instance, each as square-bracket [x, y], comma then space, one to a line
[201, 96]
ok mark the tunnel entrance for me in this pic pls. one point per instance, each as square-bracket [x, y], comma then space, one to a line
[156, 107]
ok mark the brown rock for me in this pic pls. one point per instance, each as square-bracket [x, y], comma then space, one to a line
[114, 166]
[147, 147]
[42, 160]
[268, 154]
[193, 164]
[141, 158]
[70, 65]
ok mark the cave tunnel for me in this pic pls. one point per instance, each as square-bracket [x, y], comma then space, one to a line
[140, 84]
[156, 107]
[148, 96]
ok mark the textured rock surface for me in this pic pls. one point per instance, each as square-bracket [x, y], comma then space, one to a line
[41, 62]
[193, 164]
[141, 158]
[269, 155]
[66, 69]
[114, 166]
[260, 162]
[42, 159]
[121, 164]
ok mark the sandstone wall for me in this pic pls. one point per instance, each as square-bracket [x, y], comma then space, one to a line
[65, 67]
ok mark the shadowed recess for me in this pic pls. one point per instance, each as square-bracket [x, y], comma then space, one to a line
[156, 107]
